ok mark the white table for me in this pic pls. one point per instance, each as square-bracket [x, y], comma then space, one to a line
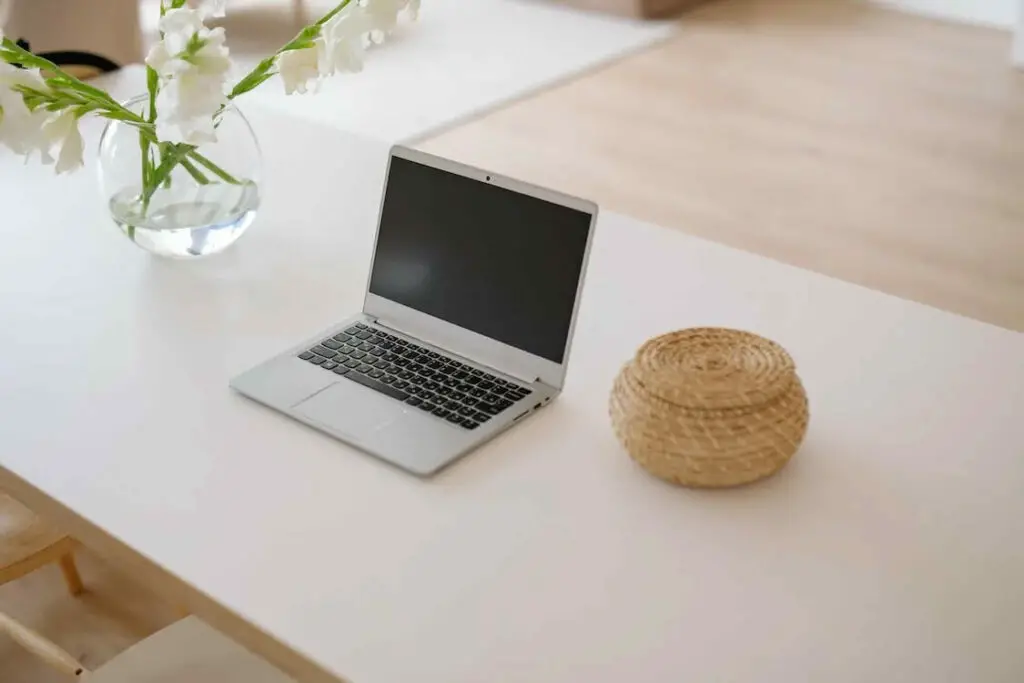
[889, 550]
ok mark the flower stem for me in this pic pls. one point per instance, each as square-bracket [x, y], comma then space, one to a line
[196, 174]
[213, 168]
[265, 69]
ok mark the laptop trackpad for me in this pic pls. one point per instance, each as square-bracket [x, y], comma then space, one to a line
[349, 408]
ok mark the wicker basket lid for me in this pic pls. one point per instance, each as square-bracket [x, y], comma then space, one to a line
[710, 407]
[714, 368]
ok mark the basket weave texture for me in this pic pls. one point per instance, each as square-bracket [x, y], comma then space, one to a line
[710, 407]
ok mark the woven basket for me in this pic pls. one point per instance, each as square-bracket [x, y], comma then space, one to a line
[710, 407]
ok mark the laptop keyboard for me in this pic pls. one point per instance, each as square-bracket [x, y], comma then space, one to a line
[434, 383]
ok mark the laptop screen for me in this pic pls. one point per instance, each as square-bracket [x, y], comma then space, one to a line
[497, 262]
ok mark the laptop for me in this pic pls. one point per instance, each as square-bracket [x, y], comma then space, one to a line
[466, 325]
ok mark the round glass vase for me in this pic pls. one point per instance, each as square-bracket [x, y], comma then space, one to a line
[206, 201]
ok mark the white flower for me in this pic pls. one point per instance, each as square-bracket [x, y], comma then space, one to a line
[193, 66]
[300, 69]
[62, 134]
[383, 14]
[213, 9]
[21, 130]
[341, 43]
[178, 26]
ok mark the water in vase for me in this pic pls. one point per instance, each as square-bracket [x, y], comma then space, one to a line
[189, 222]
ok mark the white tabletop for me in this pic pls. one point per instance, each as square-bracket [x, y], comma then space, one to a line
[889, 549]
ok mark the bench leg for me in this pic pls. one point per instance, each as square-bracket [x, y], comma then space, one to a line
[71, 576]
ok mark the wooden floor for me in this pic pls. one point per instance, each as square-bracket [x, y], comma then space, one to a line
[876, 147]
[880, 148]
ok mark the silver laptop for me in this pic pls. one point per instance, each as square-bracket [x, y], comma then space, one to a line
[466, 325]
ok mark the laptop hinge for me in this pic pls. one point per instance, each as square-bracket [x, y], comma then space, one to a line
[502, 371]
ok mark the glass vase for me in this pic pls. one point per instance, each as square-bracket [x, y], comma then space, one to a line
[202, 207]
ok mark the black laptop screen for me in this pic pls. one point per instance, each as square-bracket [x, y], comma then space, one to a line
[490, 260]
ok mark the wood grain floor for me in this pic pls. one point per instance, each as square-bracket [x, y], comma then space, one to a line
[880, 148]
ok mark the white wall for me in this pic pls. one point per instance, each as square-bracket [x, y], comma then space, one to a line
[1018, 43]
[1001, 13]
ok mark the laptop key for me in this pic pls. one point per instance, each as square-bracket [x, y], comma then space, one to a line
[428, 395]
[341, 370]
[401, 384]
[469, 424]
[426, 406]
[470, 401]
[503, 404]
[481, 417]
[352, 330]
[331, 344]
[343, 337]
[466, 411]
[388, 379]
[486, 384]
[321, 351]
[317, 360]
[454, 418]
[377, 386]
[441, 412]
[362, 334]
[306, 355]
[329, 365]
[405, 374]
[364, 368]
[477, 393]
[361, 326]
[452, 405]
[489, 408]
[376, 374]
[473, 379]
[359, 355]
[413, 401]
[351, 364]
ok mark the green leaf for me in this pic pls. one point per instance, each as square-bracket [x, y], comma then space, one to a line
[153, 86]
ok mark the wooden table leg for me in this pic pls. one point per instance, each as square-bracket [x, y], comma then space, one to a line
[71, 576]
